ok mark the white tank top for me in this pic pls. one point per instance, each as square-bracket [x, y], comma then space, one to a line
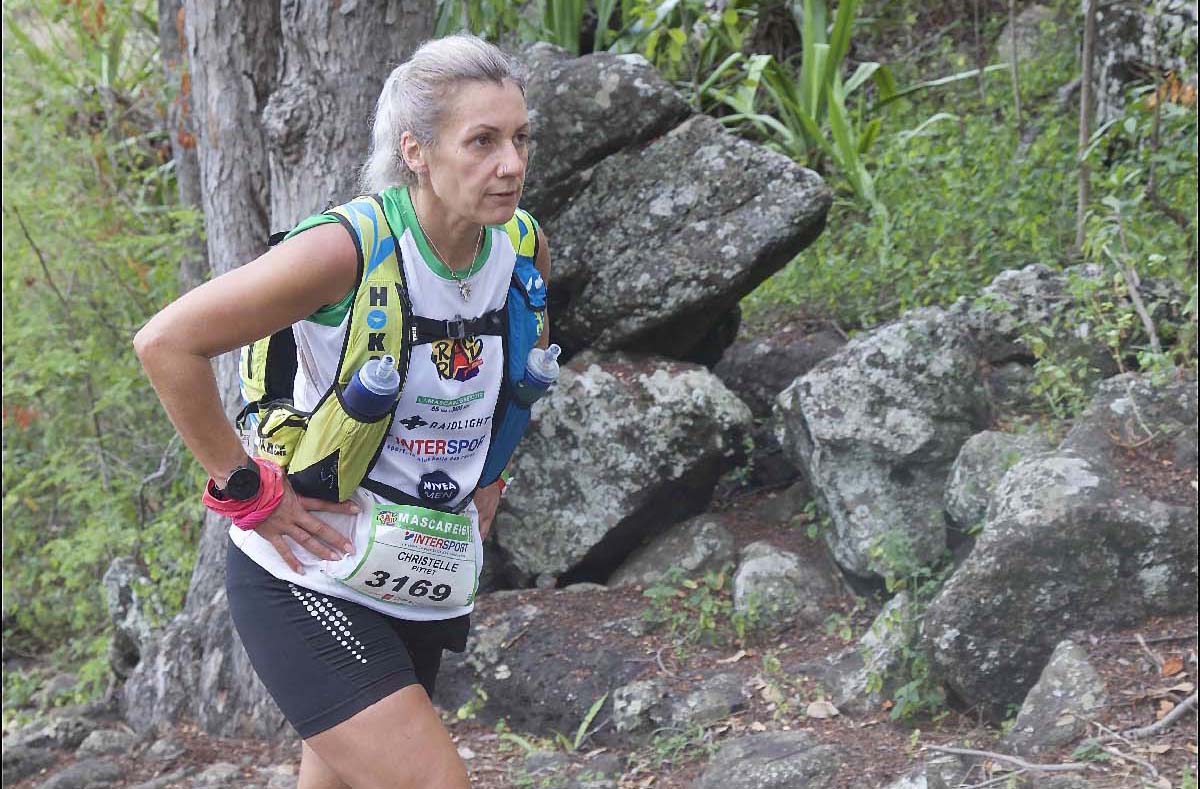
[442, 428]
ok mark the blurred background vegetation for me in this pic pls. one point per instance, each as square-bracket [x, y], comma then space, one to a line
[948, 164]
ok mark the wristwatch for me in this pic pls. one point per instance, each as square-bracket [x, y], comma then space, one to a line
[242, 484]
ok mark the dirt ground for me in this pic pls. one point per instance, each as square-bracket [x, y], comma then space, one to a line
[1148, 670]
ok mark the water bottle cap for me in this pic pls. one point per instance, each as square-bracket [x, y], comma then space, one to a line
[552, 353]
[380, 373]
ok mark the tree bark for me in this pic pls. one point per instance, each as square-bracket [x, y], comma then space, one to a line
[1085, 123]
[282, 96]
[193, 268]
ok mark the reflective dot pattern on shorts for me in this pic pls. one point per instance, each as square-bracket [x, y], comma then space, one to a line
[332, 618]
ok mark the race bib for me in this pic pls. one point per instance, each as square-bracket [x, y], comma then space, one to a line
[416, 556]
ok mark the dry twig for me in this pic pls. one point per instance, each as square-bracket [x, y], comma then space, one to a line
[1019, 762]
[1130, 758]
[1167, 721]
[1158, 661]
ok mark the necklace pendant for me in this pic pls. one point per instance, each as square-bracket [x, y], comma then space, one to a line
[464, 290]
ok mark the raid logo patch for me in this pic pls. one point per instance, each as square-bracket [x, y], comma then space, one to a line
[457, 360]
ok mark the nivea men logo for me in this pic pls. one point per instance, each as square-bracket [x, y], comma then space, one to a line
[437, 486]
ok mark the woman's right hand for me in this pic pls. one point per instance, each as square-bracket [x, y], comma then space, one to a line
[291, 518]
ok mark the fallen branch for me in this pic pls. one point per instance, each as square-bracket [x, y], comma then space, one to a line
[1130, 758]
[514, 639]
[1155, 640]
[1167, 721]
[1158, 661]
[1000, 779]
[661, 667]
[1019, 762]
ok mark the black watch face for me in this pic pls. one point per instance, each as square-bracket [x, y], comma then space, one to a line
[243, 483]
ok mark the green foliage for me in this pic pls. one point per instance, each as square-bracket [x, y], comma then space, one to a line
[94, 238]
[1137, 241]
[571, 745]
[916, 691]
[699, 612]
[967, 196]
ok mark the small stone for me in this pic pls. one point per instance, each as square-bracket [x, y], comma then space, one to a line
[104, 742]
[219, 774]
[164, 750]
[821, 710]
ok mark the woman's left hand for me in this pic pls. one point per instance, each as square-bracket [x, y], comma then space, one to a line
[487, 501]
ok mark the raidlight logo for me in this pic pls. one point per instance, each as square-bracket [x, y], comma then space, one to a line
[437, 486]
[457, 360]
[413, 422]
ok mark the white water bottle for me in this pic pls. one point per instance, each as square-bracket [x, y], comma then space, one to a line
[373, 389]
[541, 370]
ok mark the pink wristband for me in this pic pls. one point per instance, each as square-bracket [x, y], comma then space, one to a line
[247, 515]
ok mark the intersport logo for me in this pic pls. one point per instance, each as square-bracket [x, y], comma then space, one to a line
[436, 447]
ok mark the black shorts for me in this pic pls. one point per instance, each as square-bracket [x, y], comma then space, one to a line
[324, 659]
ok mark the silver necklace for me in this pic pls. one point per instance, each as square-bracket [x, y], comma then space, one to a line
[464, 288]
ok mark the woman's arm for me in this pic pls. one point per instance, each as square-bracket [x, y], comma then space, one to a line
[283, 286]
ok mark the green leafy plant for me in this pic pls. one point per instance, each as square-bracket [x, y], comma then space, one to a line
[916, 690]
[699, 611]
[572, 744]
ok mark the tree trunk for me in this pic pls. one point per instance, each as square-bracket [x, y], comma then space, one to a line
[1085, 124]
[172, 38]
[282, 99]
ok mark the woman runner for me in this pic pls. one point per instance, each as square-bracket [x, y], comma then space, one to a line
[352, 672]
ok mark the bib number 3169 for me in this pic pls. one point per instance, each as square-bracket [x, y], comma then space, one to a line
[419, 588]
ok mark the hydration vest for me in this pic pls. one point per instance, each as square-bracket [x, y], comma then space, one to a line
[328, 452]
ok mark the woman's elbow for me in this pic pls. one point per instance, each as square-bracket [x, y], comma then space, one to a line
[149, 342]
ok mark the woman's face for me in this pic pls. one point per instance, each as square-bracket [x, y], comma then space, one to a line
[477, 166]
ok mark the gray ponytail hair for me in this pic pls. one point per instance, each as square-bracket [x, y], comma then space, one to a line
[415, 99]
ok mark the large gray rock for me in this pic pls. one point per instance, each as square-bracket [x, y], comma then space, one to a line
[22, 761]
[1132, 414]
[875, 429]
[523, 664]
[1056, 710]
[91, 773]
[771, 760]
[1136, 40]
[585, 109]
[648, 705]
[782, 586]
[757, 370]
[61, 731]
[1019, 301]
[619, 450]
[694, 547]
[979, 467]
[133, 625]
[1072, 540]
[666, 239]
